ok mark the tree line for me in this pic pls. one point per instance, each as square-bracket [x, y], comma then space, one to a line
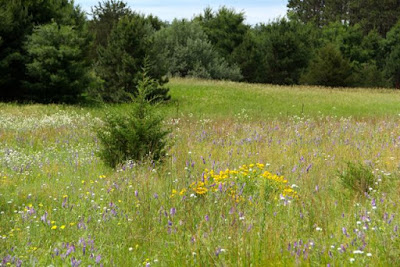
[51, 52]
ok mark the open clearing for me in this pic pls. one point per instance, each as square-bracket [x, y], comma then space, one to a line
[59, 205]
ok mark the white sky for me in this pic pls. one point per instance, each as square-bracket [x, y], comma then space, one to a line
[256, 11]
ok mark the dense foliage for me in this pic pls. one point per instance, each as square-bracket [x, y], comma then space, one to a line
[51, 52]
[183, 49]
[56, 71]
[136, 135]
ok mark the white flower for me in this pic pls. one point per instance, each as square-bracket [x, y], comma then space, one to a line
[358, 252]
[130, 249]
[318, 229]
[352, 260]
[369, 254]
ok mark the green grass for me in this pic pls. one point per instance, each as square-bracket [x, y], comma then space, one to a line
[228, 99]
[51, 177]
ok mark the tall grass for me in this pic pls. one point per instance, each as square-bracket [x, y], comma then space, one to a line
[60, 205]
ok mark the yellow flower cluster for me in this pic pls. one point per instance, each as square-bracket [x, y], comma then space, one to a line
[248, 180]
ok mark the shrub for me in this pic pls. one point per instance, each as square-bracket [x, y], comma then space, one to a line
[119, 63]
[357, 177]
[57, 71]
[329, 68]
[137, 135]
[183, 49]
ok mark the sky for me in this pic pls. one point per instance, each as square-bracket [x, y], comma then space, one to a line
[256, 11]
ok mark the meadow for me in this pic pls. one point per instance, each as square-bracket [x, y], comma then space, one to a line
[254, 176]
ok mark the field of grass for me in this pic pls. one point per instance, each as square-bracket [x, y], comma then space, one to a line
[60, 205]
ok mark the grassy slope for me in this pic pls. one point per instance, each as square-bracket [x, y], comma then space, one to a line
[48, 166]
[227, 99]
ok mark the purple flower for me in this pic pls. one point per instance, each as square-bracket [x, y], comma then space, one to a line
[206, 218]
[74, 262]
[172, 211]
[309, 167]
[64, 203]
[294, 168]
[231, 210]
[155, 195]
[218, 251]
[70, 249]
[98, 258]
[344, 230]
[43, 218]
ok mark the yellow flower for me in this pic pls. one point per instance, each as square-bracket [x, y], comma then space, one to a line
[53, 222]
[183, 191]
[71, 224]
[200, 190]
[173, 192]
[62, 226]
[54, 227]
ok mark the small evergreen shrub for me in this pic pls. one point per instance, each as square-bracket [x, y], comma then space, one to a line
[357, 177]
[137, 135]
[329, 68]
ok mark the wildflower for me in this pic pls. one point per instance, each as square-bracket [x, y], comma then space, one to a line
[183, 191]
[130, 249]
[172, 211]
[352, 260]
[174, 192]
[98, 258]
[62, 226]
[54, 227]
